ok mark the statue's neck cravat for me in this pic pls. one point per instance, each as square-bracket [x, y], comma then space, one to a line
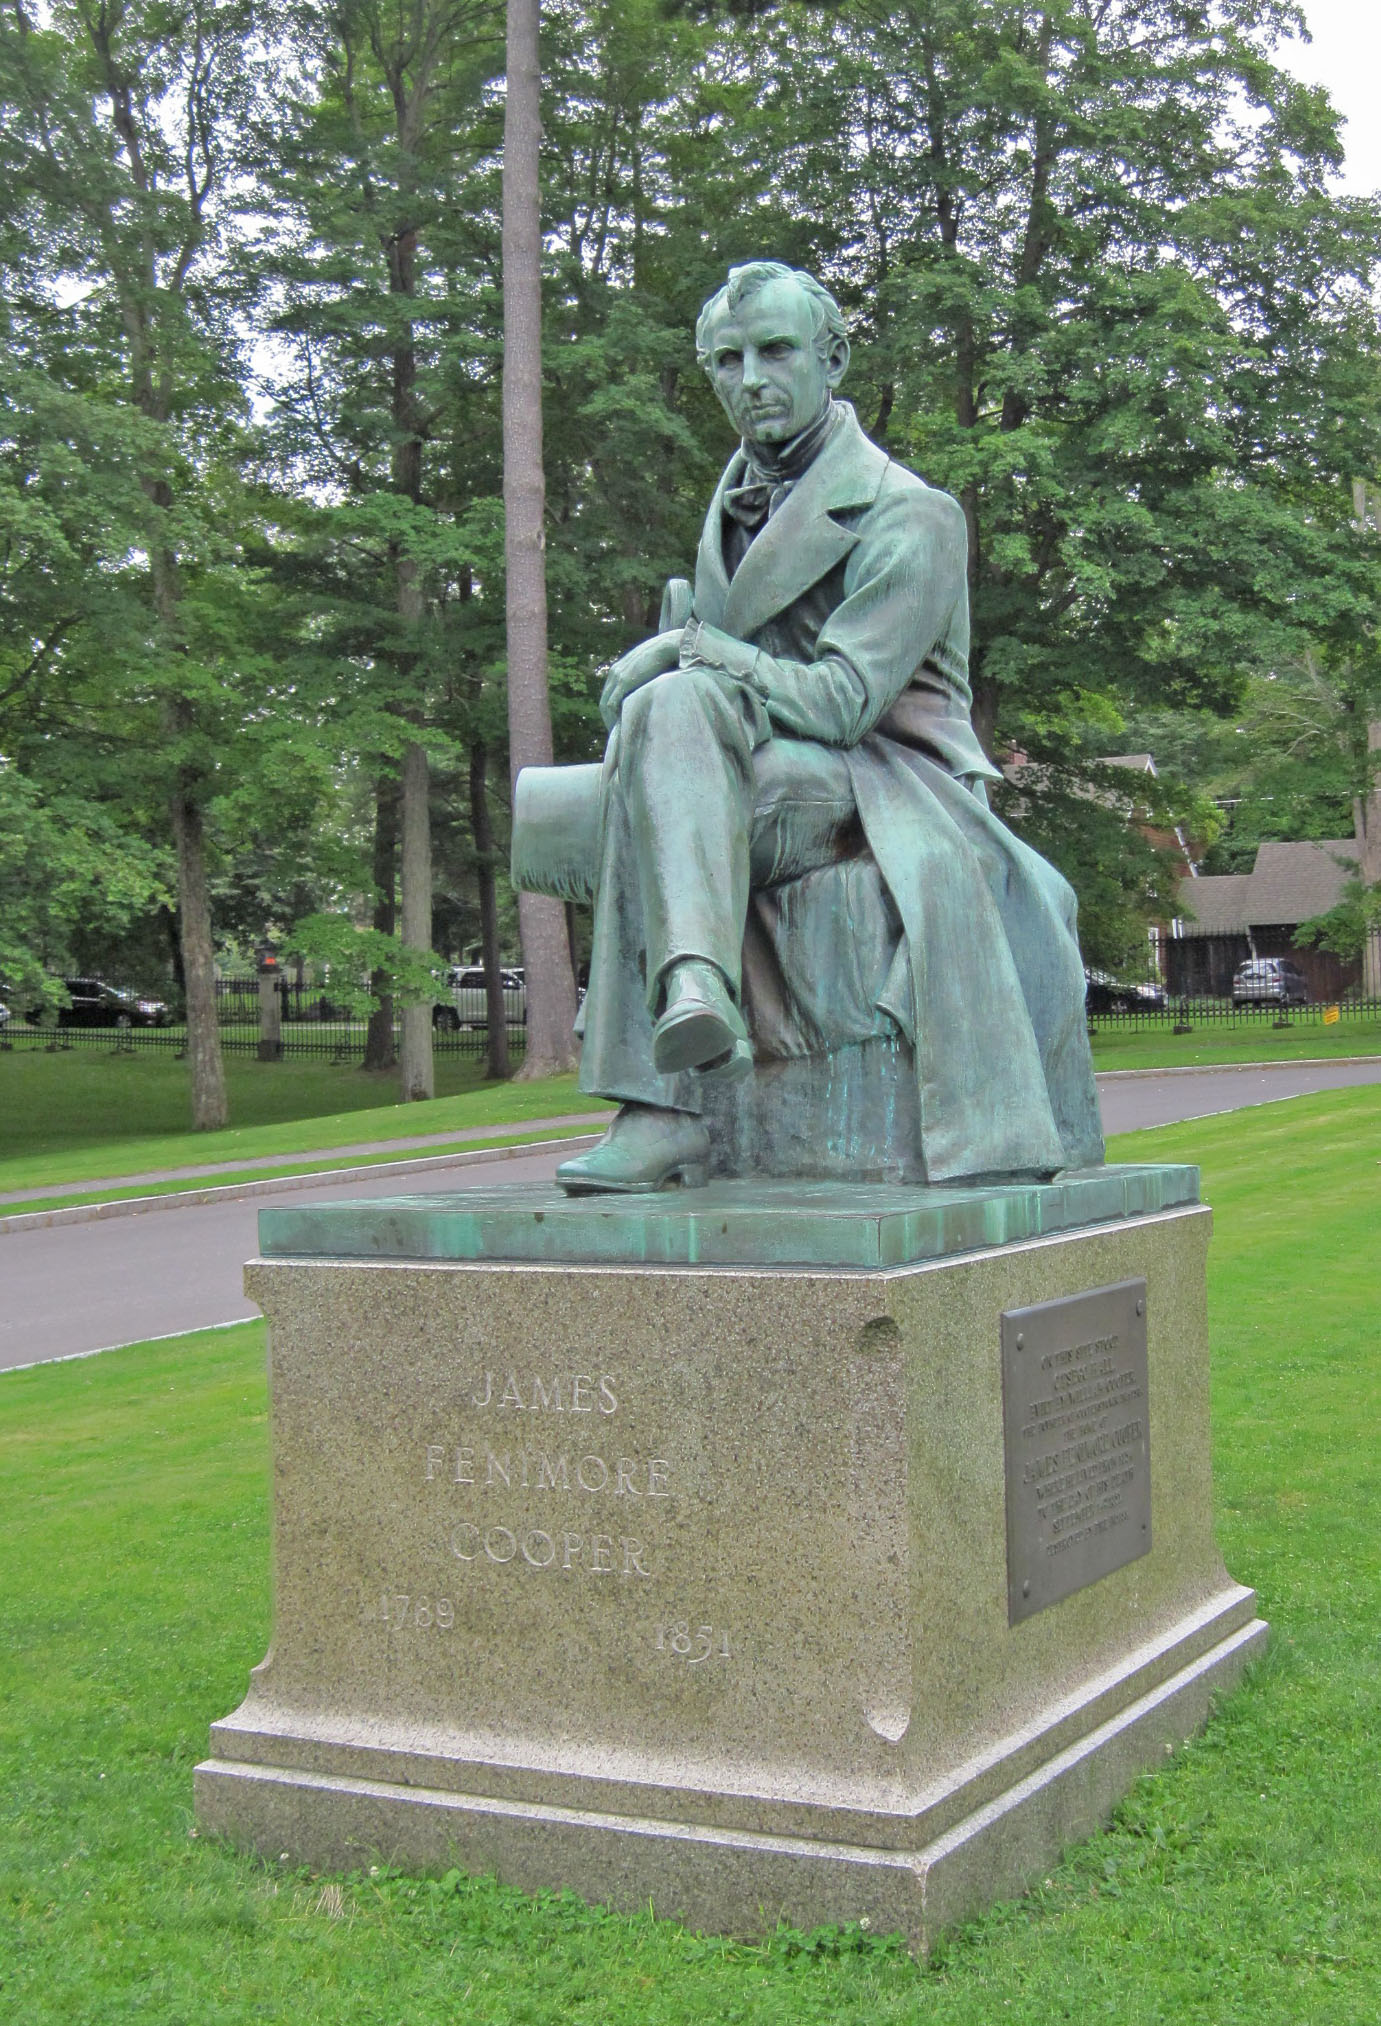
[770, 472]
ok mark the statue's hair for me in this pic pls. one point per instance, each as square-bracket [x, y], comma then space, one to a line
[826, 316]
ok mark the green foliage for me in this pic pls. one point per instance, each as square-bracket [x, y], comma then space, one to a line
[1346, 927]
[1101, 290]
[65, 867]
[362, 966]
[1092, 822]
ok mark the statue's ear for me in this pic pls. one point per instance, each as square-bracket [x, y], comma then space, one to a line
[837, 360]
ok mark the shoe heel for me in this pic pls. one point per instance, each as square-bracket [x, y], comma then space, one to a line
[691, 1174]
[730, 1068]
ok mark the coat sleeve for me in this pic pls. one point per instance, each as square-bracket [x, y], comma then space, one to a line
[903, 583]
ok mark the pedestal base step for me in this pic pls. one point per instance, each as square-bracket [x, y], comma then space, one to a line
[709, 1876]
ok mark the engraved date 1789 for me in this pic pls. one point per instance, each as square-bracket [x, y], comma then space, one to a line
[397, 1607]
[692, 1643]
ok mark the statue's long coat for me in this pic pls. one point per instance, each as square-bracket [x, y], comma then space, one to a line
[857, 588]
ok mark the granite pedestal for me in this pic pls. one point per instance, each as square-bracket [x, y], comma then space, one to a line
[701, 1583]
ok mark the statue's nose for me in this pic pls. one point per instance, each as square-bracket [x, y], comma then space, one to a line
[752, 370]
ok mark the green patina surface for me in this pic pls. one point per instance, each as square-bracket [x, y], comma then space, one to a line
[730, 1223]
[790, 829]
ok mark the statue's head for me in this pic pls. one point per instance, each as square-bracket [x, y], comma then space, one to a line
[773, 343]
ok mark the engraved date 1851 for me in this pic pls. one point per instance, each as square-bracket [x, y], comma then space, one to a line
[692, 1643]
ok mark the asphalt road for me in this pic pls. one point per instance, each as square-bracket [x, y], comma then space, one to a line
[76, 1288]
[1131, 1102]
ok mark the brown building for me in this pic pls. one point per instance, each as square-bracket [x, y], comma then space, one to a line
[1226, 918]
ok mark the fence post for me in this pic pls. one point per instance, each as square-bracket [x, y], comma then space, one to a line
[270, 1006]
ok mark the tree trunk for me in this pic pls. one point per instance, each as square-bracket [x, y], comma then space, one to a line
[418, 1073]
[418, 1069]
[380, 1051]
[1367, 818]
[210, 1104]
[496, 1013]
[210, 1109]
[541, 921]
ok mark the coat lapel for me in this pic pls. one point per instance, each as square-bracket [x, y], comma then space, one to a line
[801, 543]
[711, 574]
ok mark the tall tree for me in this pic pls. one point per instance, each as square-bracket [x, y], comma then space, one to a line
[126, 126]
[377, 275]
[1107, 299]
[550, 978]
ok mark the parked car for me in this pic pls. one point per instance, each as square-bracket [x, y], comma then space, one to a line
[93, 1003]
[469, 1005]
[1105, 994]
[4, 1015]
[1269, 981]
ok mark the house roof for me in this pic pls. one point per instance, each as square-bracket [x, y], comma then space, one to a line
[1289, 883]
[1215, 905]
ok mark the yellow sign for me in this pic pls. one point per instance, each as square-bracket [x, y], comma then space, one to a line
[1331, 1015]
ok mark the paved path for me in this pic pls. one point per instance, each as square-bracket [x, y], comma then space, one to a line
[81, 1287]
[1132, 1101]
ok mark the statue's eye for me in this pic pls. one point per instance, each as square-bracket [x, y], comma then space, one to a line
[728, 358]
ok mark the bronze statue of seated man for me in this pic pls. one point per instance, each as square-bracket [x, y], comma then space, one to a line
[789, 846]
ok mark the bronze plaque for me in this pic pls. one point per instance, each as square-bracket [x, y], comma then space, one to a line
[1077, 1442]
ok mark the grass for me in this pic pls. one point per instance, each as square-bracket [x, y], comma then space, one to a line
[125, 1192]
[88, 1115]
[1118, 1047]
[92, 1115]
[1237, 1884]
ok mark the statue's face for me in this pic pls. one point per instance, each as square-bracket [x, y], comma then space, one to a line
[767, 367]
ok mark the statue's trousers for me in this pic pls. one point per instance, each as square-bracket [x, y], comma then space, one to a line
[702, 805]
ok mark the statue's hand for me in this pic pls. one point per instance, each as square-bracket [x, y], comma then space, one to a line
[649, 659]
[713, 648]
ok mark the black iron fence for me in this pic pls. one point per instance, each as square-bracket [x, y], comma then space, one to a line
[1196, 992]
[1203, 967]
[1186, 1014]
[329, 1040]
[311, 1023]
[1197, 986]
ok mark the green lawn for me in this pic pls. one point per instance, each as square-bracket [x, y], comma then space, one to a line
[1159, 1047]
[86, 1115]
[1237, 1884]
[124, 1192]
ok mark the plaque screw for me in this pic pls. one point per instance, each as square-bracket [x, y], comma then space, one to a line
[1141, 1308]
[1021, 1340]
[1026, 1588]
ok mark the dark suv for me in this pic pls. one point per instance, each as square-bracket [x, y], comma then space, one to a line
[93, 1003]
[1106, 994]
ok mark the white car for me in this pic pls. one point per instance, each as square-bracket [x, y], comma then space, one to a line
[469, 1005]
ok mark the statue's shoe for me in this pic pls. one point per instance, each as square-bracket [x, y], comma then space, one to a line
[729, 1068]
[643, 1150]
[700, 1028]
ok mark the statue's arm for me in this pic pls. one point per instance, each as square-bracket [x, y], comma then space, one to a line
[904, 583]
